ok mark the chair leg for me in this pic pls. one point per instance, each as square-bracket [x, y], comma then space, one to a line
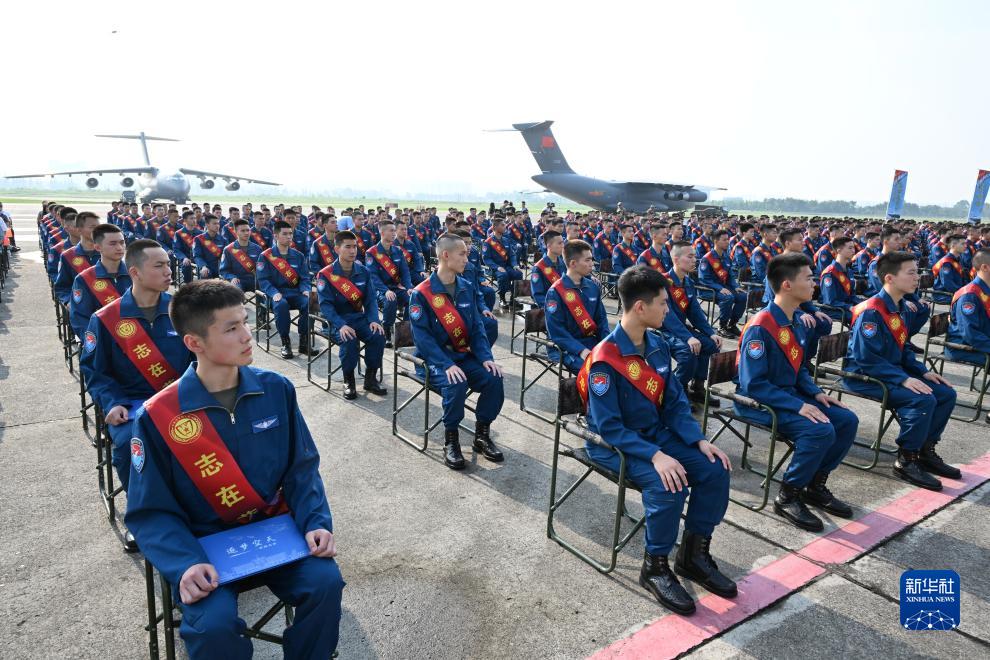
[149, 583]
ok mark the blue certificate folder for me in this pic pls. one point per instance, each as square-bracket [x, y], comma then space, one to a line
[248, 549]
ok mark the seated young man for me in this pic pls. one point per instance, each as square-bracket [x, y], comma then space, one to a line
[715, 272]
[773, 371]
[948, 271]
[388, 268]
[253, 458]
[837, 282]
[208, 249]
[77, 258]
[575, 314]
[450, 336]
[499, 254]
[474, 276]
[636, 407]
[922, 399]
[969, 322]
[283, 276]
[101, 284]
[240, 258]
[549, 268]
[349, 301]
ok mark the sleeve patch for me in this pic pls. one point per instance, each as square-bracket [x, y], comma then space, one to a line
[869, 329]
[755, 349]
[598, 383]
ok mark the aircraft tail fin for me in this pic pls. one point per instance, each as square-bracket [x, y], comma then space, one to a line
[543, 145]
[144, 138]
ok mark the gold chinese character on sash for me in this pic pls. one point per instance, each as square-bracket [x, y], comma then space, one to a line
[652, 385]
[794, 352]
[448, 318]
[578, 311]
[208, 464]
[142, 351]
[586, 324]
[229, 495]
[457, 332]
[156, 369]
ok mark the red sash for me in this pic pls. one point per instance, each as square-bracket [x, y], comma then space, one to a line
[652, 260]
[825, 249]
[548, 271]
[704, 242]
[976, 290]
[102, 288]
[360, 241]
[894, 321]
[78, 262]
[747, 250]
[242, 256]
[188, 238]
[407, 254]
[171, 232]
[516, 232]
[607, 243]
[678, 293]
[345, 287]
[210, 244]
[784, 337]
[628, 252]
[573, 303]
[633, 368]
[448, 316]
[198, 448]
[140, 349]
[327, 255]
[717, 267]
[839, 275]
[937, 268]
[498, 247]
[385, 262]
[259, 239]
[282, 266]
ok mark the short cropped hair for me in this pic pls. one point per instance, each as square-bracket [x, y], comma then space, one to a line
[241, 222]
[745, 227]
[788, 235]
[575, 250]
[136, 252]
[720, 233]
[785, 267]
[981, 258]
[888, 231]
[890, 263]
[448, 241]
[840, 242]
[280, 225]
[640, 283]
[679, 247]
[102, 230]
[341, 236]
[549, 235]
[193, 305]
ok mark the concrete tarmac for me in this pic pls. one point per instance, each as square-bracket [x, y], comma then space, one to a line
[441, 564]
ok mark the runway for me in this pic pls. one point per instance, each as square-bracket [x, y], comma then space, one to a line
[442, 564]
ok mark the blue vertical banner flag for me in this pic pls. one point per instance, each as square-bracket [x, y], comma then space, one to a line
[979, 197]
[897, 190]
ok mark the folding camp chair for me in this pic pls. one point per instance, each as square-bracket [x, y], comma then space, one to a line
[520, 303]
[938, 327]
[317, 319]
[264, 319]
[568, 403]
[535, 325]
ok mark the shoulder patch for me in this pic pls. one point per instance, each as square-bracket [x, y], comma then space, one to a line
[77, 295]
[321, 284]
[968, 308]
[536, 277]
[755, 349]
[827, 280]
[261, 264]
[551, 306]
[869, 329]
[89, 342]
[598, 383]
[415, 312]
[137, 454]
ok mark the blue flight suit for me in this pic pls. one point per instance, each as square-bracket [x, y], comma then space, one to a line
[434, 345]
[766, 376]
[300, 237]
[487, 291]
[367, 240]
[183, 251]
[565, 331]
[472, 273]
[622, 261]
[812, 246]
[730, 305]
[679, 326]
[53, 261]
[915, 320]
[166, 238]
[384, 283]
[204, 258]
[539, 282]
[83, 304]
[874, 352]
[340, 312]
[67, 272]
[834, 294]
[263, 237]
[702, 246]
[762, 254]
[113, 380]
[316, 261]
[520, 239]
[414, 260]
[742, 255]
[630, 422]
[652, 258]
[509, 263]
[938, 250]
[167, 513]
[948, 279]
[860, 264]
[665, 258]
[822, 328]
[969, 323]
[270, 282]
[603, 246]
[231, 269]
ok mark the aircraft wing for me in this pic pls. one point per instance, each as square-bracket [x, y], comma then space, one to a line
[120, 170]
[670, 186]
[226, 177]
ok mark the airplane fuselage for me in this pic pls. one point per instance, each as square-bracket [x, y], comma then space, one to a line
[605, 195]
[172, 186]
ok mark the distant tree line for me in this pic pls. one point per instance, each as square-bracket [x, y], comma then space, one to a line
[957, 211]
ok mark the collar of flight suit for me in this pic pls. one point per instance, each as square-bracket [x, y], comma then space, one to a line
[626, 346]
[129, 308]
[193, 395]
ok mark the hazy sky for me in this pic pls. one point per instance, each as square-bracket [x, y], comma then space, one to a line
[818, 100]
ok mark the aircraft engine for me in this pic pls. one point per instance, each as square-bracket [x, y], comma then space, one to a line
[696, 195]
[207, 184]
[127, 182]
[92, 182]
[233, 185]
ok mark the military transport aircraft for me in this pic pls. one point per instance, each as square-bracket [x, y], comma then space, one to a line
[635, 196]
[155, 183]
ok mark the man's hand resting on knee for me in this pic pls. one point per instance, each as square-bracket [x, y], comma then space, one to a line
[321, 543]
[197, 583]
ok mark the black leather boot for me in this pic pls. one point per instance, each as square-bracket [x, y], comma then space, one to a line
[933, 463]
[908, 468]
[286, 348]
[304, 347]
[452, 455]
[657, 578]
[694, 561]
[372, 385]
[696, 394]
[350, 388]
[789, 505]
[817, 494]
[388, 338]
[483, 443]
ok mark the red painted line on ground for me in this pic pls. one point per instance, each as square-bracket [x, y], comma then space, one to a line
[673, 634]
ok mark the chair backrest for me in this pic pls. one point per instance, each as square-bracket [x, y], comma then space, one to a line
[833, 347]
[722, 368]
[605, 266]
[522, 288]
[926, 281]
[861, 285]
[536, 320]
[754, 299]
[938, 324]
[568, 398]
[745, 273]
[403, 335]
